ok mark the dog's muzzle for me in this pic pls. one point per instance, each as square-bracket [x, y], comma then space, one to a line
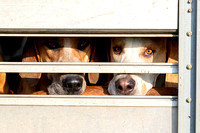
[67, 84]
[124, 86]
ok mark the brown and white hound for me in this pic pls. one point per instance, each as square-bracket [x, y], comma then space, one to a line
[56, 50]
[135, 50]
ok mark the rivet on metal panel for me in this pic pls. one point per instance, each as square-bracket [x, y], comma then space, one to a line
[189, 33]
[190, 10]
[189, 1]
[189, 100]
[189, 66]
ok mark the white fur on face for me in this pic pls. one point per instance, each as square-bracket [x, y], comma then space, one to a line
[133, 52]
[142, 84]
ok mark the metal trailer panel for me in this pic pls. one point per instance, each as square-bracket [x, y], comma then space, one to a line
[29, 114]
[187, 66]
[197, 114]
[87, 14]
[51, 119]
[92, 114]
[56, 67]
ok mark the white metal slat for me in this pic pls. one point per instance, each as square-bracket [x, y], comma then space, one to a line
[95, 101]
[56, 67]
[129, 14]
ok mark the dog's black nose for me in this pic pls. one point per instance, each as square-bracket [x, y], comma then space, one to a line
[72, 83]
[125, 86]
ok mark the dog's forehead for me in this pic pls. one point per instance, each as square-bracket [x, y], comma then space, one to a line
[135, 42]
[63, 41]
[73, 42]
[118, 41]
[43, 40]
[153, 42]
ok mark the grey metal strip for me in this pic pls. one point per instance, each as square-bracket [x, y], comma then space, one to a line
[187, 68]
[84, 31]
[198, 69]
[56, 67]
[94, 101]
[89, 35]
[88, 32]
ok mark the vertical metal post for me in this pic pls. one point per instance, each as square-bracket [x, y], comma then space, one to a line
[198, 69]
[187, 66]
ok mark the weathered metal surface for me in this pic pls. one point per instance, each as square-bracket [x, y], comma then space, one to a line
[89, 114]
[84, 14]
[56, 67]
[197, 113]
[187, 67]
[70, 100]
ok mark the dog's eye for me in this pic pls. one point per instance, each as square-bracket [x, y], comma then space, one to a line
[83, 44]
[117, 50]
[52, 44]
[148, 52]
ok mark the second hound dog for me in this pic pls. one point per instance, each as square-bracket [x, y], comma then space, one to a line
[135, 50]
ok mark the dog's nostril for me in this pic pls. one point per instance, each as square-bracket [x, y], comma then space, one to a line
[120, 87]
[129, 87]
[68, 85]
[78, 85]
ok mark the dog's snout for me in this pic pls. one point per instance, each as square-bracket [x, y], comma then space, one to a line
[125, 86]
[72, 83]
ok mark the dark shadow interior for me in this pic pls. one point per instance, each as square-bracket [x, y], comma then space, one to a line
[11, 49]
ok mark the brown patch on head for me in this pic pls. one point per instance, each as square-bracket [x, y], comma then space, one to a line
[64, 49]
[47, 53]
[144, 89]
[82, 56]
[117, 44]
[81, 49]
[158, 48]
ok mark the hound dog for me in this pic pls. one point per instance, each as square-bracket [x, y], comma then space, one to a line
[56, 50]
[140, 50]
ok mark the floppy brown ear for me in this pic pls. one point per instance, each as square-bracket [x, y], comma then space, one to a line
[94, 77]
[29, 81]
[4, 88]
[172, 50]
[30, 55]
